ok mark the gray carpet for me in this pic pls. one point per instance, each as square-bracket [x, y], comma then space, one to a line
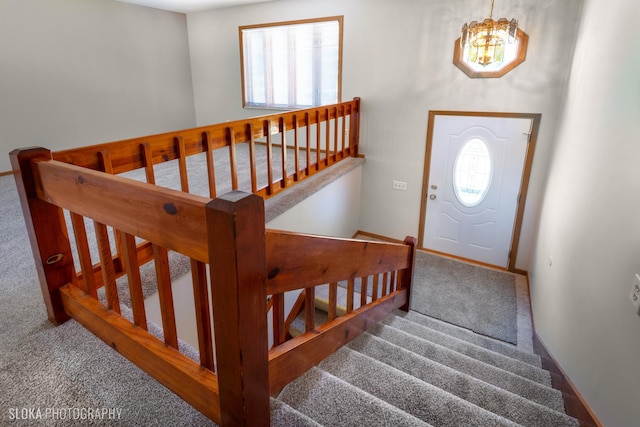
[402, 372]
[409, 370]
[480, 299]
[43, 366]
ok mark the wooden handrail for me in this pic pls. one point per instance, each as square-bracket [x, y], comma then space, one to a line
[228, 233]
[166, 217]
[316, 259]
[128, 155]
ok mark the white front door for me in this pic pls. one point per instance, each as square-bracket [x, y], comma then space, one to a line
[474, 181]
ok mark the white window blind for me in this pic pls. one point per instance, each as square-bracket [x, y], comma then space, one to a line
[291, 65]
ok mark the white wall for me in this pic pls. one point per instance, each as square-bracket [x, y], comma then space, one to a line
[590, 223]
[334, 210]
[77, 72]
[398, 59]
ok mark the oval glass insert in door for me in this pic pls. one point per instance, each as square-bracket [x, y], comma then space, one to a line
[472, 172]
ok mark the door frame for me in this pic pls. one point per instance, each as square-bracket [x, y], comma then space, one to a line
[524, 184]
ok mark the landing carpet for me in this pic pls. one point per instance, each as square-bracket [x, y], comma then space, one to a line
[474, 297]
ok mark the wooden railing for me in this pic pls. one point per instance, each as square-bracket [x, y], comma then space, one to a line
[316, 138]
[231, 384]
[135, 222]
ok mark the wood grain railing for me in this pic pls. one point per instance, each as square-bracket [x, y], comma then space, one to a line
[316, 138]
[125, 223]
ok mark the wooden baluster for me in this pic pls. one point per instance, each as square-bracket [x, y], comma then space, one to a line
[385, 282]
[406, 276]
[327, 140]
[86, 264]
[211, 169]
[279, 332]
[165, 295]
[283, 148]
[335, 134]
[296, 147]
[47, 232]
[374, 289]
[267, 133]
[252, 158]
[310, 309]
[135, 283]
[148, 163]
[237, 253]
[106, 263]
[318, 142]
[344, 131]
[333, 300]
[107, 166]
[308, 142]
[233, 161]
[354, 128]
[182, 164]
[364, 287]
[203, 313]
[350, 295]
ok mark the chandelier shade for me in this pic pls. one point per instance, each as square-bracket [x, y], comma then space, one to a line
[485, 42]
[490, 48]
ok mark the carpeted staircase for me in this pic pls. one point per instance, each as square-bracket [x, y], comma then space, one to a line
[412, 370]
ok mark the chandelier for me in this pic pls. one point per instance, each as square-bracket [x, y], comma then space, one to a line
[484, 43]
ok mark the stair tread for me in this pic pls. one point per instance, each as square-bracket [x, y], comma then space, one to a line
[331, 401]
[488, 396]
[284, 415]
[416, 397]
[482, 354]
[428, 370]
[478, 369]
[472, 337]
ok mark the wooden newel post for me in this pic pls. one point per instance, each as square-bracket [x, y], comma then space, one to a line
[354, 129]
[406, 277]
[236, 234]
[47, 232]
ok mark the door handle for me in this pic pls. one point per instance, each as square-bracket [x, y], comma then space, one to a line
[432, 196]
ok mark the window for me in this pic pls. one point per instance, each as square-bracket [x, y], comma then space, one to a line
[290, 65]
[472, 173]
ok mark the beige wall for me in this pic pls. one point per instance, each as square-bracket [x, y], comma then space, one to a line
[398, 59]
[78, 72]
[590, 222]
[75, 72]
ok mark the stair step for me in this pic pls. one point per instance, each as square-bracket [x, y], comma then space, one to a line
[471, 350]
[490, 397]
[284, 415]
[472, 337]
[499, 377]
[331, 401]
[416, 397]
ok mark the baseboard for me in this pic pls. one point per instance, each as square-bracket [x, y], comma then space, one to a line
[575, 404]
[376, 236]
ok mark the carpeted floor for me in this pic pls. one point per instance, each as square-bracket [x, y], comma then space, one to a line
[471, 296]
[42, 366]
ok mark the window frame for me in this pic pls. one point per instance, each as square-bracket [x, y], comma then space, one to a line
[273, 106]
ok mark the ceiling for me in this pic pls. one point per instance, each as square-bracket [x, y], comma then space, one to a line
[188, 6]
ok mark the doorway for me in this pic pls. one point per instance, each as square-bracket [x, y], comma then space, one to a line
[476, 174]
